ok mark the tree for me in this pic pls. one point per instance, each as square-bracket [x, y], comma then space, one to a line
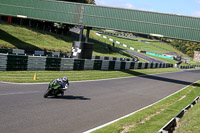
[77, 1]
[187, 47]
[81, 1]
[91, 2]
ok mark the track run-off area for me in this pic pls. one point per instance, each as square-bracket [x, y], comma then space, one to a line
[86, 104]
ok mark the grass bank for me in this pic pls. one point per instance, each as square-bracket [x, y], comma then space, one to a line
[18, 37]
[47, 76]
[190, 121]
[154, 47]
[151, 119]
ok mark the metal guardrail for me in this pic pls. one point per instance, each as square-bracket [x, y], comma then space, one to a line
[188, 67]
[36, 63]
[34, 52]
[171, 125]
[58, 54]
[114, 58]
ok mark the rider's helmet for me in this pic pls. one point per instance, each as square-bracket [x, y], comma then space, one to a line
[64, 79]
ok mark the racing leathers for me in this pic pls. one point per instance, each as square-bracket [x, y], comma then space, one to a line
[64, 84]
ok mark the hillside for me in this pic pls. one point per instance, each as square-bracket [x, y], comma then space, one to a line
[149, 45]
[14, 36]
[17, 37]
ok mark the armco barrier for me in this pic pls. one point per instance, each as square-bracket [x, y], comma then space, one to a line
[188, 67]
[17, 62]
[36, 63]
[111, 65]
[89, 65]
[112, 58]
[33, 52]
[79, 64]
[97, 64]
[18, 51]
[42, 63]
[3, 62]
[67, 64]
[123, 65]
[117, 65]
[132, 65]
[105, 65]
[143, 66]
[171, 125]
[128, 65]
[53, 63]
[135, 65]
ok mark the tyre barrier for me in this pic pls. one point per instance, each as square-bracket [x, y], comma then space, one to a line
[34, 53]
[42, 63]
[188, 67]
[57, 54]
[118, 34]
[172, 124]
[114, 58]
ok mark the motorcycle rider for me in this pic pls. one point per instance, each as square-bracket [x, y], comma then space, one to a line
[64, 82]
[57, 86]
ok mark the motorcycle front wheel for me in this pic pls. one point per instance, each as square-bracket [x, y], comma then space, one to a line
[46, 93]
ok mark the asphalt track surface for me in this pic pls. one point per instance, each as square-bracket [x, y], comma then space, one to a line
[145, 57]
[85, 105]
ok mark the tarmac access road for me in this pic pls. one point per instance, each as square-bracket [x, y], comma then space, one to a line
[85, 105]
[143, 56]
[134, 53]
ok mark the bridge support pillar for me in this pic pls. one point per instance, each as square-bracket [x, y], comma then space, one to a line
[82, 50]
[87, 35]
[81, 33]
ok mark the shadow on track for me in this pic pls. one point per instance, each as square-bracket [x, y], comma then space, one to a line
[16, 41]
[154, 77]
[70, 97]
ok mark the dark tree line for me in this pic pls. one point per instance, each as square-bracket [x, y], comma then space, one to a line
[187, 47]
[81, 1]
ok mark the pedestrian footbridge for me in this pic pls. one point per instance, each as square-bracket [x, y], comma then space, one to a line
[144, 22]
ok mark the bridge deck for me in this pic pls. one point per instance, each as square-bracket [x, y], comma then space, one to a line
[167, 25]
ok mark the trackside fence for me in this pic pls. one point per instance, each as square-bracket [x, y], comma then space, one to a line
[114, 58]
[189, 67]
[42, 63]
[172, 124]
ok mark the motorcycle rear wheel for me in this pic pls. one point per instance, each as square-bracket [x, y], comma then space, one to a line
[62, 93]
[46, 94]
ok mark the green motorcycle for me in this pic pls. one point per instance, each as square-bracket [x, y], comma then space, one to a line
[55, 88]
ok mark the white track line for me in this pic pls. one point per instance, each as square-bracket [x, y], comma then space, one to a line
[17, 93]
[22, 83]
[94, 129]
[86, 80]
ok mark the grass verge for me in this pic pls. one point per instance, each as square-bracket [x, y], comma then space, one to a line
[18, 37]
[154, 47]
[190, 121]
[46, 76]
[151, 119]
